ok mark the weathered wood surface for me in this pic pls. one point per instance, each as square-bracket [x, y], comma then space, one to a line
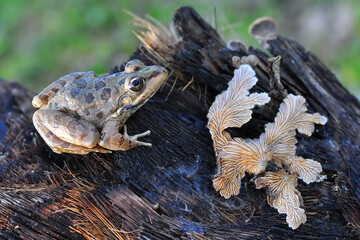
[165, 192]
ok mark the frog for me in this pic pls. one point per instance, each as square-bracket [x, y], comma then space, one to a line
[82, 112]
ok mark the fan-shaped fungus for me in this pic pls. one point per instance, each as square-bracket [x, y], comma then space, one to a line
[283, 195]
[235, 156]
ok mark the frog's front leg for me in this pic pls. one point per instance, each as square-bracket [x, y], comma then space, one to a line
[64, 133]
[112, 139]
[42, 98]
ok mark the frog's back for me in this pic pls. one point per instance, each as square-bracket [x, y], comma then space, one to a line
[88, 97]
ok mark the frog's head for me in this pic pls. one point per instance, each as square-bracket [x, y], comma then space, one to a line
[141, 83]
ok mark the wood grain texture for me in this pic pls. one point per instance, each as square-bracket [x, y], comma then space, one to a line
[166, 192]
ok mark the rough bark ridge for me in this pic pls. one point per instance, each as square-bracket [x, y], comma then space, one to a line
[166, 192]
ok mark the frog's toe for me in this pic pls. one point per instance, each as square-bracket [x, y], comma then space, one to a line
[136, 136]
[143, 134]
[139, 143]
[134, 142]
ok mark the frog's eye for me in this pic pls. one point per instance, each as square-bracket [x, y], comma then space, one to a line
[133, 66]
[136, 84]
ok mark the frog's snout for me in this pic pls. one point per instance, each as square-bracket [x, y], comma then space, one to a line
[166, 72]
[163, 72]
[157, 73]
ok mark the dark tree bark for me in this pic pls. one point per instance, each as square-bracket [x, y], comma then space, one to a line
[166, 192]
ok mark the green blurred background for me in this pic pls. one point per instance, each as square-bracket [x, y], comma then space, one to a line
[42, 40]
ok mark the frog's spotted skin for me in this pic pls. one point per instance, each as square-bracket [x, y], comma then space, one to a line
[81, 112]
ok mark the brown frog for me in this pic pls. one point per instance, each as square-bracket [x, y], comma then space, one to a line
[82, 112]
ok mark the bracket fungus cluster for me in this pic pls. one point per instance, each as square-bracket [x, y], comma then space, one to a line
[277, 144]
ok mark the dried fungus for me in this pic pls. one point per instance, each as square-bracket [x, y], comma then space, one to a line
[232, 108]
[236, 156]
[283, 195]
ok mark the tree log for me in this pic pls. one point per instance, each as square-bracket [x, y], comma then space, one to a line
[166, 192]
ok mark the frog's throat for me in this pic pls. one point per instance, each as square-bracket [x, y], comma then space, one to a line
[126, 111]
